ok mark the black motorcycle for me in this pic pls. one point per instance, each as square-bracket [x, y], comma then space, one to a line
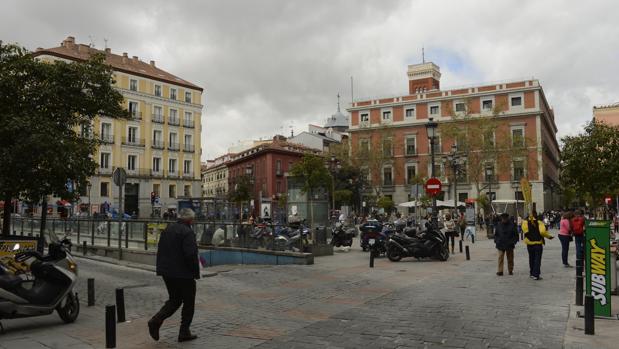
[429, 243]
[342, 236]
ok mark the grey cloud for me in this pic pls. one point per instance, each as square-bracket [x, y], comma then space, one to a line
[266, 65]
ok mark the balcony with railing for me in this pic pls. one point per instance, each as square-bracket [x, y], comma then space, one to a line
[174, 146]
[172, 174]
[189, 123]
[135, 115]
[158, 173]
[133, 141]
[104, 170]
[189, 148]
[157, 118]
[107, 138]
[174, 121]
[188, 174]
[157, 144]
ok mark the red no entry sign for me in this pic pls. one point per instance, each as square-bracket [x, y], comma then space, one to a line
[433, 186]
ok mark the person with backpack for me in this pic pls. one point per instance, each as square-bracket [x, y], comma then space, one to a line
[534, 233]
[578, 230]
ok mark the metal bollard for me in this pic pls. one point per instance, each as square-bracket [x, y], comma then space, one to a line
[91, 292]
[579, 267]
[472, 238]
[460, 246]
[372, 258]
[120, 304]
[579, 289]
[589, 316]
[468, 253]
[110, 326]
[84, 247]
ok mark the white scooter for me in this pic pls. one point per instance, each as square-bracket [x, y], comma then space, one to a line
[51, 288]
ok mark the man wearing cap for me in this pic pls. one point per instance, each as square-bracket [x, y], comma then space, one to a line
[505, 239]
[534, 237]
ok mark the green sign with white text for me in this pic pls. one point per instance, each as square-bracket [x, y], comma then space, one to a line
[597, 265]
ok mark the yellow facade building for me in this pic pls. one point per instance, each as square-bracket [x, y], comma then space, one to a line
[159, 146]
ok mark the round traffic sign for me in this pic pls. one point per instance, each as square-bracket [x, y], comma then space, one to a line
[119, 176]
[433, 186]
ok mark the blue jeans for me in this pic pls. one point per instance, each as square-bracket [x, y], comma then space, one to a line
[565, 247]
[579, 241]
[535, 259]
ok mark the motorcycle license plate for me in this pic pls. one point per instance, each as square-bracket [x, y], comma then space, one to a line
[371, 241]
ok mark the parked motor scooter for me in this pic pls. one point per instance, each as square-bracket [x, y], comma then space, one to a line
[374, 234]
[429, 243]
[290, 239]
[52, 287]
[342, 236]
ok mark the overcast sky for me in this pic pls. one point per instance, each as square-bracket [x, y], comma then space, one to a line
[270, 65]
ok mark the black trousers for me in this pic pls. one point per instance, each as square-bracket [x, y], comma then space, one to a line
[180, 291]
[535, 259]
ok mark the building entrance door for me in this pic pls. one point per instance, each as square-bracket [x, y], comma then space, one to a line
[132, 191]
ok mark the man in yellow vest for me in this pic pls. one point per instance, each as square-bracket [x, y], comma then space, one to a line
[534, 234]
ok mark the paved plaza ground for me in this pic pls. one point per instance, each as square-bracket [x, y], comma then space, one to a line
[340, 303]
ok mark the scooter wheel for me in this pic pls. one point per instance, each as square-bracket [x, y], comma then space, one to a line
[71, 309]
[394, 254]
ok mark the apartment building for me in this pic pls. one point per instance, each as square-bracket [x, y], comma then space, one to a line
[159, 146]
[215, 177]
[399, 122]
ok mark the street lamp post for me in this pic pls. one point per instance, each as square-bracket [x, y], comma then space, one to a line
[489, 175]
[333, 165]
[454, 159]
[89, 187]
[431, 126]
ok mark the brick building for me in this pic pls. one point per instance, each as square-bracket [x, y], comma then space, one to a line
[267, 165]
[523, 113]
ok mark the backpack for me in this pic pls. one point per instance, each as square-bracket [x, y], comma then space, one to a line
[578, 225]
[533, 234]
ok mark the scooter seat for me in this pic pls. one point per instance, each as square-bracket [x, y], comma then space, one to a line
[8, 281]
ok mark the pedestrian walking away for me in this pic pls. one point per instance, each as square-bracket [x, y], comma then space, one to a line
[505, 239]
[565, 236]
[534, 233]
[578, 229]
[177, 263]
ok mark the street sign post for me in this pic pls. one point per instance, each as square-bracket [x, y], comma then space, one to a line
[120, 178]
[597, 261]
[433, 186]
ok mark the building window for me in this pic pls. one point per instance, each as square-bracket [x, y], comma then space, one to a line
[158, 90]
[278, 168]
[387, 148]
[172, 191]
[156, 164]
[518, 137]
[132, 134]
[488, 139]
[463, 173]
[516, 101]
[105, 160]
[365, 117]
[187, 191]
[364, 147]
[518, 170]
[188, 97]
[133, 85]
[460, 107]
[387, 176]
[156, 189]
[188, 118]
[434, 110]
[105, 188]
[411, 145]
[173, 93]
[486, 105]
[172, 165]
[134, 110]
[386, 116]
[187, 167]
[438, 170]
[106, 130]
[132, 161]
[410, 112]
[411, 173]
[437, 144]
[173, 141]
[278, 187]
[489, 172]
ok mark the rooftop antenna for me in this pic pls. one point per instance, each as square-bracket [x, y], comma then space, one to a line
[338, 102]
[423, 55]
[92, 42]
[105, 40]
[352, 96]
[291, 131]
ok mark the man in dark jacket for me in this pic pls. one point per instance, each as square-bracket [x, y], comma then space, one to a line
[505, 238]
[177, 263]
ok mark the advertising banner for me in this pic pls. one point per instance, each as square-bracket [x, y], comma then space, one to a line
[597, 261]
[8, 249]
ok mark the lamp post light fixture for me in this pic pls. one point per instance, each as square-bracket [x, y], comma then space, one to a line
[89, 187]
[431, 126]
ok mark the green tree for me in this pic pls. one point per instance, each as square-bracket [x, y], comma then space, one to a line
[590, 162]
[313, 173]
[386, 204]
[240, 192]
[43, 110]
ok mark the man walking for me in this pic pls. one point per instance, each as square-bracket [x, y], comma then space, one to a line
[177, 263]
[505, 239]
[534, 234]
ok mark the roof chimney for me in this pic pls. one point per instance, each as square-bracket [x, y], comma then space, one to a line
[152, 63]
[108, 50]
[68, 42]
[135, 59]
[125, 56]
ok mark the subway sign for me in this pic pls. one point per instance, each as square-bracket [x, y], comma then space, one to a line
[597, 261]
